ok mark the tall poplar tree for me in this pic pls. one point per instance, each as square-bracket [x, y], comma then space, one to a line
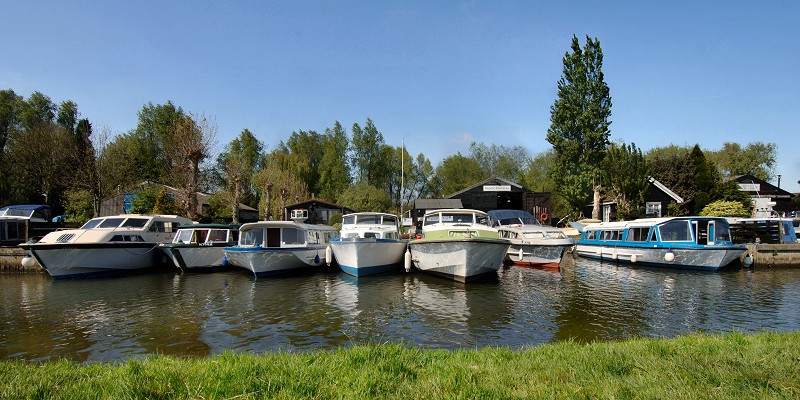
[579, 125]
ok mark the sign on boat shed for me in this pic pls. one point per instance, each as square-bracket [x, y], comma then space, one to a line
[497, 193]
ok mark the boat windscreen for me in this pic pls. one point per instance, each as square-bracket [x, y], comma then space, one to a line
[92, 223]
[111, 223]
[135, 222]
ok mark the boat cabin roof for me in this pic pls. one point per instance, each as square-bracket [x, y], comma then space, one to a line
[646, 222]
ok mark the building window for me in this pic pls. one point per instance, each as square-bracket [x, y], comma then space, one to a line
[653, 208]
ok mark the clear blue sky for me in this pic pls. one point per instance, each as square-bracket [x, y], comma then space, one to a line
[438, 74]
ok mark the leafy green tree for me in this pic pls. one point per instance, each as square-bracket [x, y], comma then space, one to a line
[279, 185]
[189, 143]
[501, 161]
[703, 179]
[304, 149]
[79, 205]
[37, 109]
[365, 197]
[626, 177]
[420, 180]
[156, 123]
[68, 116]
[757, 159]
[456, 173]
[239, 160]
[673, 166]
[10, 107]
[579, 125]
[367, 148]
[334, 167]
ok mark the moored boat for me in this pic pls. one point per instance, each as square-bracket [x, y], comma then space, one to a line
[702, 243]
[271, 247]
[201, 245]
[458, 244]
[369, 243]
[105, 245]
[532, 244]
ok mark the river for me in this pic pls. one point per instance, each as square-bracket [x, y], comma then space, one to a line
[202, 314]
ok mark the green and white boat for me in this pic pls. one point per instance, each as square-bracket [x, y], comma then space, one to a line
[458, 244]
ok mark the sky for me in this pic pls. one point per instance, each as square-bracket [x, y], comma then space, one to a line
[434, 75]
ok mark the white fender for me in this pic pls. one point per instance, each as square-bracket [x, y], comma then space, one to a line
[669, 257]
[521, 254]
[328, 255]
[633, 258]
[407, 261]
[748, 261]
[27, 261]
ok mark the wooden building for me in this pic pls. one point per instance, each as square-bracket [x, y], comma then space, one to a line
[498, 193]
[319, 211]
[766, 196]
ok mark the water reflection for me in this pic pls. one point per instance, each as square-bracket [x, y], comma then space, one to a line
[197, 315]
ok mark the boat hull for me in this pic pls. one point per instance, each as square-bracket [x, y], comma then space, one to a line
[461, 260]
[79, 261]
[361, 257]
[193, 256]
[710, 258]
[264, 261]
[537, 255]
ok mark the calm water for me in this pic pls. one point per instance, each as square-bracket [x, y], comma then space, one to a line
[200, 314]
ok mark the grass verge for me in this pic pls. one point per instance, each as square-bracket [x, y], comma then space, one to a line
[728, 366]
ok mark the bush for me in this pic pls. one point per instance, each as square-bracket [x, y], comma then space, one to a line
[722, 208]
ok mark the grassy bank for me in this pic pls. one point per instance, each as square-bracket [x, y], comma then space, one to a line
[734, 366]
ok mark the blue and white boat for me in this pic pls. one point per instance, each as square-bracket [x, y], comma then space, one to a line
[702, 243]
[369, 244]
[272, 247]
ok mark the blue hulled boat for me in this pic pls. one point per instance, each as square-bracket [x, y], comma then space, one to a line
[702, 243]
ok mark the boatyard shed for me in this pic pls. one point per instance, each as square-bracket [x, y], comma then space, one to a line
[766, 196]
[498, 193]
[421, 206]
[319, 211]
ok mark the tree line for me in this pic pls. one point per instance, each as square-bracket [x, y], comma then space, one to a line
[50, 154]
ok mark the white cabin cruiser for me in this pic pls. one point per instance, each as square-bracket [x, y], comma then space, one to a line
[459, 244]
[271, 247]
[369, 244]
[532, 244]
[104, 245]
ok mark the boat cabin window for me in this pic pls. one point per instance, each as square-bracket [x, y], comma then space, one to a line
[217, 235]
[135, 222]
[348, 220]
[92, 223]
[368, 220]
[389, 220]
[252, 237]
[590, 235]
[533, 235]
[126, 238]
[483, 220]
[390, 235]
[12, 230]
[372, 235]
[555, 235]
[457, 218]
[653, 237]
[292, 236]
[675, 231]
[611, 235]
[638, 234]
[183, 236]
[163, 226]
[111, 223]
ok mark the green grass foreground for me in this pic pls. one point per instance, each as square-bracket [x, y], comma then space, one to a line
[734, 366]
